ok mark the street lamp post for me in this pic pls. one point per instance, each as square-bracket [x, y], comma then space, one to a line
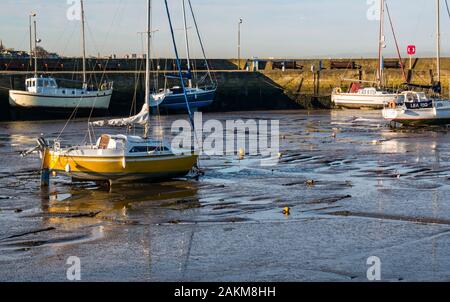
[30, 16]
[239, 43]
[36, 41]
[35, 50]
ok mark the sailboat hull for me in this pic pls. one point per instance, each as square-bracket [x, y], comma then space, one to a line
[120, 169]
[428, 116]
[28, 100]
[357, 100]
[196, 100]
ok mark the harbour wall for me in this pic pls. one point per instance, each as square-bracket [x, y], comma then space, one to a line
[268, 85]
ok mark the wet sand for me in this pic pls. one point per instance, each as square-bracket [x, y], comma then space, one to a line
[375, 192]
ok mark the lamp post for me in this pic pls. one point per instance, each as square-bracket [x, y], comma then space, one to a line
[36, 41]
[239, 43]
[30, 16]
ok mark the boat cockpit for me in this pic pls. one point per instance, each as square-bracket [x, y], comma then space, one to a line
[414, 100]
[39, 85]
[132, 145]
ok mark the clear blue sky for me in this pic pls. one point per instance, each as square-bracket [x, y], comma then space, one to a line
[272, 28]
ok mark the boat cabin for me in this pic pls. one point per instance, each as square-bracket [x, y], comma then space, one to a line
[40, 85]
[414, 100]
[133, 145]
[48, 86]
[368, 91]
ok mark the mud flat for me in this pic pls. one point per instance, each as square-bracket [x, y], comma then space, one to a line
[354, 187]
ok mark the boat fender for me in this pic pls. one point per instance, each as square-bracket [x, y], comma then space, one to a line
[338, 90]
[241, 154]
[124, 163]
[392, 105]
[103, 87]
[67, 168]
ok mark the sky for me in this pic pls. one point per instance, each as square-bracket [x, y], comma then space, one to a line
[271, 28]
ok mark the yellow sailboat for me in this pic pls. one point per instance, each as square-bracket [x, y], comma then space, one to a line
[117, 158]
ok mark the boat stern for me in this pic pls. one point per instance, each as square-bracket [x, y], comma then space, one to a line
[390, 114]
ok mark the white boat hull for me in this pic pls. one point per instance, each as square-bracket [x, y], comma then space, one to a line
[357, 100]
[29, 100]
[440, 114]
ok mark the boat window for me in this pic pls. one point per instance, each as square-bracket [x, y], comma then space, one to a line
[40, 83]
[411, 97]
[52, 83]
[73, 91]
[104, 142]
[143, 149]
[33, 83]
[162, 149]
[45, 82]
[177, 90]
[401, 99]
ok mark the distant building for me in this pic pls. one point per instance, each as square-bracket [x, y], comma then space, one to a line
[11, 53]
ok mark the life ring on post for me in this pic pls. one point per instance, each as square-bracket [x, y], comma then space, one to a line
[392, 105]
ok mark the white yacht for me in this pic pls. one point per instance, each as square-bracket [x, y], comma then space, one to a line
[373, 97]
[415, 108]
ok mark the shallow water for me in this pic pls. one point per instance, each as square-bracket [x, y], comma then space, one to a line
[366, 191]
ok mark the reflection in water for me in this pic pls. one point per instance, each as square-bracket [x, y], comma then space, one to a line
[119, 202]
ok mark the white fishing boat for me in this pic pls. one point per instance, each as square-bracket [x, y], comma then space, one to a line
[415, 108]
[373, 97]
[199, 94]
[117, 158]
[44, 93]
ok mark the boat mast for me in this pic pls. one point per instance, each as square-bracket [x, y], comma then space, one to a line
[438, 41]
[147, 65]
[180, 72]
[381, 45]
[188, 57]
[83, 43]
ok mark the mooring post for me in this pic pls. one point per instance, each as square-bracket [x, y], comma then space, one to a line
[318, 78]
[45, 178]
[448, 80]
[12, 82]
[45, 171]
